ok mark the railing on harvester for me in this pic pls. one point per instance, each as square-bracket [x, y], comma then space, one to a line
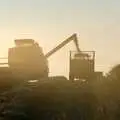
[3, 61]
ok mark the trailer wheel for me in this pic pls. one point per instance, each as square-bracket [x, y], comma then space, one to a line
[71, 78]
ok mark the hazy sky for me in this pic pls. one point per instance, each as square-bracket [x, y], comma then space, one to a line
[49, 22]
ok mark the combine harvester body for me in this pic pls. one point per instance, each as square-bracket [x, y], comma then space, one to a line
[25, 61]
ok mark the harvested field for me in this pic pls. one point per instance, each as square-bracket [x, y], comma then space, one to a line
[55, 96]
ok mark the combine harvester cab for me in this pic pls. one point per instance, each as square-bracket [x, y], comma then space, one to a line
[27, 61]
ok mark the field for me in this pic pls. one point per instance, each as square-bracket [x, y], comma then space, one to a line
[57, 99]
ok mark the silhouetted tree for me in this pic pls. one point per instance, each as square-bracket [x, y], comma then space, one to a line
[114, 73]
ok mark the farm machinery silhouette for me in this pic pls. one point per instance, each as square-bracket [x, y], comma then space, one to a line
[27, 61]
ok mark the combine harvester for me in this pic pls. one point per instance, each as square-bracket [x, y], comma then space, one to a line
[26, 61]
